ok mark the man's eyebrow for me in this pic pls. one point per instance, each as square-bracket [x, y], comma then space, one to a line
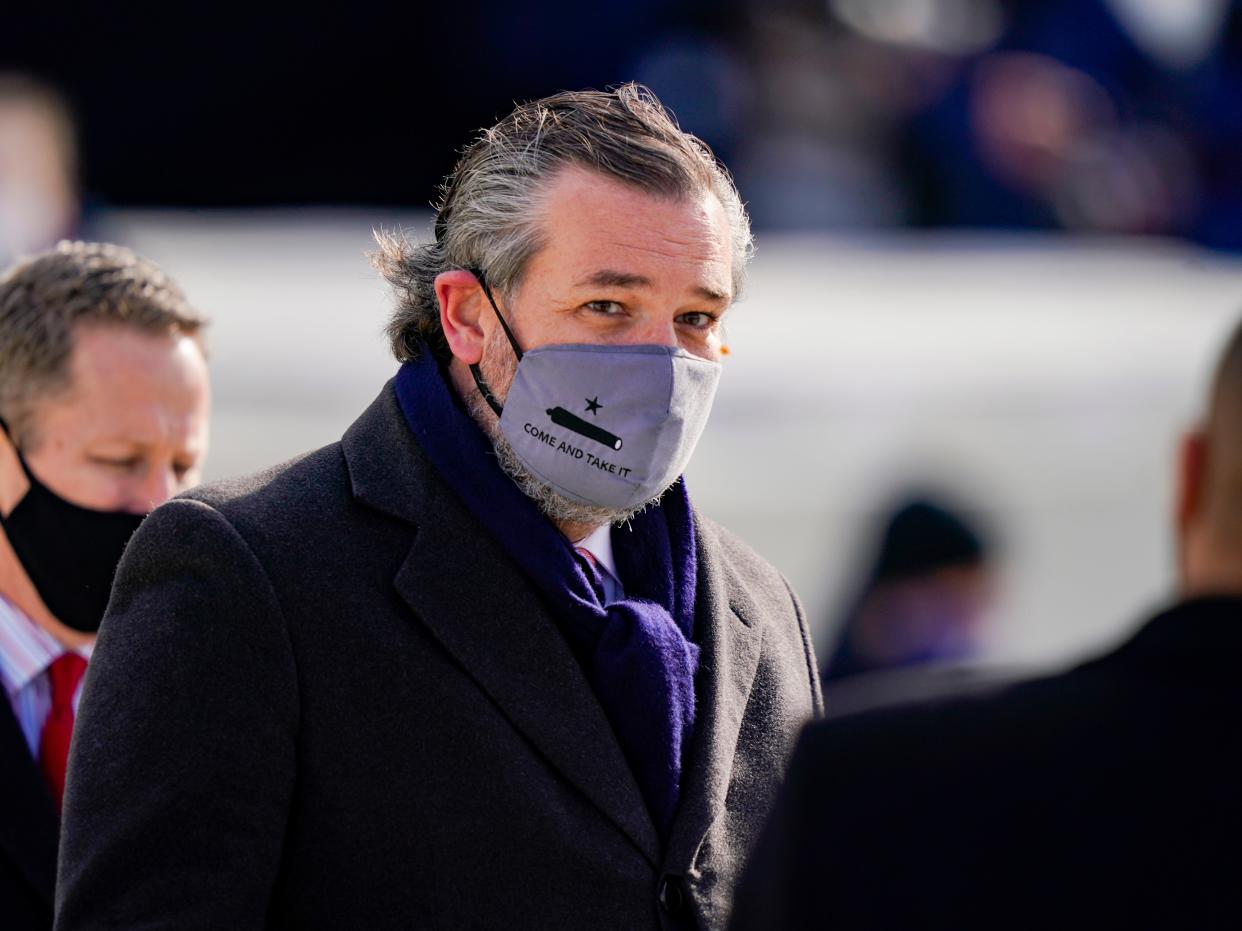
[608, 278]
[711, 294]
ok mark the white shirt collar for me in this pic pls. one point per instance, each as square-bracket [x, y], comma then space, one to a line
[26, 649]
[599, 544]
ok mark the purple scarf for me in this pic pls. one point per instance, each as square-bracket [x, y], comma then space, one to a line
[637, 653]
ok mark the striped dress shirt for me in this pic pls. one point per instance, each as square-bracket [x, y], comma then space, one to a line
[26, 650]
[599, 544]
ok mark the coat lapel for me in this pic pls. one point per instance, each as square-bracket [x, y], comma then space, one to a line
[471, 596]
[29, 828]
[730, 639]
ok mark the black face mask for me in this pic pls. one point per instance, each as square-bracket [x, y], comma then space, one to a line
[69, 552]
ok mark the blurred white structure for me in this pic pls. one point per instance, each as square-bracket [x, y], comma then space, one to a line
[1043, 379]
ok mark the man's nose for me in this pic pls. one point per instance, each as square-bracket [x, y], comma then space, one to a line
[656, 333]
[159, 483]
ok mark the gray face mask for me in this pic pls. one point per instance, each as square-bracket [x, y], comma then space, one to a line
[611, 426]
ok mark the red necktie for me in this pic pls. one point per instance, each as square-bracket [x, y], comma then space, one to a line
[64, 675]
[594, 573]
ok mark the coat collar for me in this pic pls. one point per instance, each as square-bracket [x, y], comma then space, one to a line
[467, 591]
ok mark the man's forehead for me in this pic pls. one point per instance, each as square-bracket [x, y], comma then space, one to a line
[144, 420]
[117, 371]
[613, 234]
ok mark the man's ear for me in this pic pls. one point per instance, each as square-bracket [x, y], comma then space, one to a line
[461, 305]
[1192, 464]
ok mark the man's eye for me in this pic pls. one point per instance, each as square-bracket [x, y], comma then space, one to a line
[698, 320]
[122, 464]
[605, 308]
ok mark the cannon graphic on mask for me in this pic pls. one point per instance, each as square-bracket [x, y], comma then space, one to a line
[564, 418]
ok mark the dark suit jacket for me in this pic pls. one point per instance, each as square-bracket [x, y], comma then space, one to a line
[29, 827]
[1107, 797]
[323, 697]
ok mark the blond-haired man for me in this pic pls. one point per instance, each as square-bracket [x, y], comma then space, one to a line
[103, 415]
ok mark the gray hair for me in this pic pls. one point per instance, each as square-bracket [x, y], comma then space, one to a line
[45, 298]
[488, 217]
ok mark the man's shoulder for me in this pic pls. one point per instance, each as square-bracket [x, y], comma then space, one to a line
[289, 512]
[317, 483]
[304, 484]
[1175, 669]
[1085, 778]
[1064, 718]
[284, 520]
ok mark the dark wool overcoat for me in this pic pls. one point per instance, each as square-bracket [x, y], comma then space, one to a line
[323, 697]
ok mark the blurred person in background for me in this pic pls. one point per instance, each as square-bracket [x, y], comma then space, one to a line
[103, 415]
[924, 599]
[1104, 797]
[39, 200]
[1112, 116]
[481, 663]
[919, 617]
[1116, 116]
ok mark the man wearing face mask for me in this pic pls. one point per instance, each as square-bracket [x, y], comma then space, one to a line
[482, 663]
[103, 415]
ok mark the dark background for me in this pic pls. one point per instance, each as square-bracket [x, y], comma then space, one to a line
[836, 114]
[360, 104]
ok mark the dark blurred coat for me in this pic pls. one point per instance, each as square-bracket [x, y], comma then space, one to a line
[1107, 797]
[324, 697]
[29, 827]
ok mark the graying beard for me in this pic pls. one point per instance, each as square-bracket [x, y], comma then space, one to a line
[553, 505]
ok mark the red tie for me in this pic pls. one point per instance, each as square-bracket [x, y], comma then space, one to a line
[594, 572]
[64, 675]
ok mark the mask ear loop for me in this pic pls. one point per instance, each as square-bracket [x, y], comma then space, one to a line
[21, 459]
[8, 435]
[484, 390]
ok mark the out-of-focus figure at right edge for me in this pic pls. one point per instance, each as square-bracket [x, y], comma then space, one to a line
[1104, 797]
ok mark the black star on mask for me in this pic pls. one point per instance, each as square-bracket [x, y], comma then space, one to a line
[593, 405]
